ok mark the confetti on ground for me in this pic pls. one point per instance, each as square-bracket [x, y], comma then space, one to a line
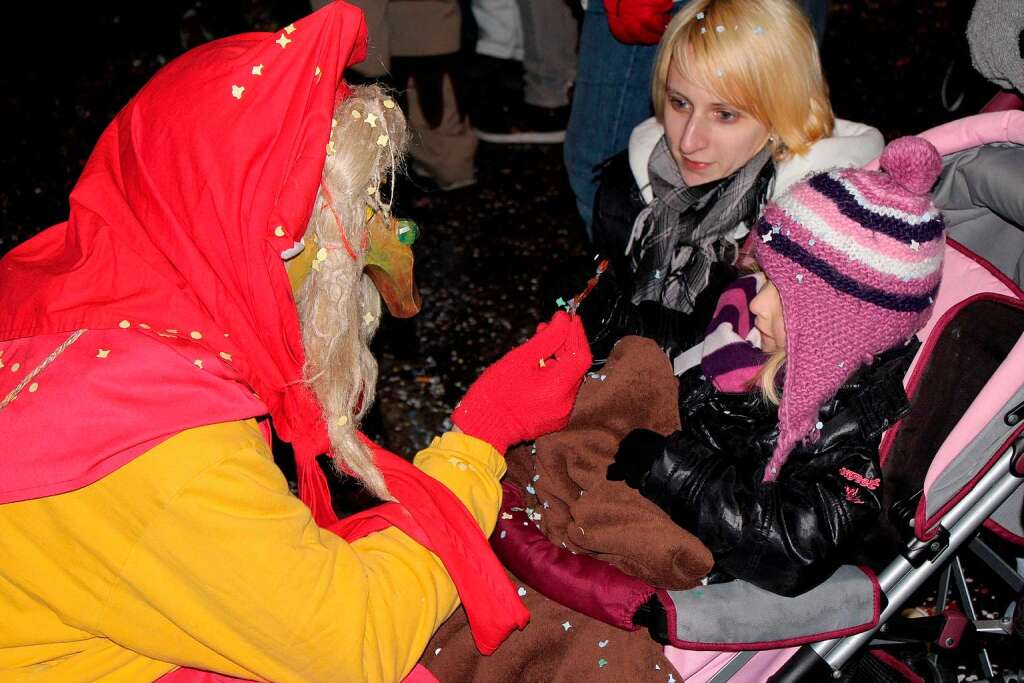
[530, 489]
[503, 534]
[601, 663]
[437, 652]
[566, 625]
[521, 592]
[602, 643]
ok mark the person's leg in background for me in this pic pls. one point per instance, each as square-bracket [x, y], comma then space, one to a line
[549, 52]
[612, 96]
[817, 13]
[428, 33]
[412, 44]
[540, 114]
[499, 29]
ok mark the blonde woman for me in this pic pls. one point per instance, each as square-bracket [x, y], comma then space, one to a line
[741, 113]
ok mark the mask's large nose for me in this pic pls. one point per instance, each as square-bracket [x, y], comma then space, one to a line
[389, 263]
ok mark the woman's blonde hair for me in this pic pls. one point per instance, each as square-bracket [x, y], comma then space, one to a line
[757, 55]
[339, 306]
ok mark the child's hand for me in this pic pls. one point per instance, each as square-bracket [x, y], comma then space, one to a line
[635, 457]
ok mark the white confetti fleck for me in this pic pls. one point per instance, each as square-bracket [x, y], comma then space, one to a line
[503, 534]
[819, 424]
[799, 277]
[521, 592]
[719, 29]
[566, 625]
[700, 15]
[602, 643]
[437, 652]
[530, 489]
[536, 477]
[505, 515]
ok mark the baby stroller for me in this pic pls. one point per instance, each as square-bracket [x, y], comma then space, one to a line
[955, 465]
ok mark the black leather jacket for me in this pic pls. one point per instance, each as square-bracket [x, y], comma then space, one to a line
[789, 535]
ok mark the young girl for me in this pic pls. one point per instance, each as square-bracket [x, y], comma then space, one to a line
[780, 488]
[741, 112]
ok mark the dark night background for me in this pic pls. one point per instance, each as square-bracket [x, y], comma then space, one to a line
[492, 258]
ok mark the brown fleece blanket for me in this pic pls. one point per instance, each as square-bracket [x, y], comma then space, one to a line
[565, 480]
[559, 644]
[591, 515]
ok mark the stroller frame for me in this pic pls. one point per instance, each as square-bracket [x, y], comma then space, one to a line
[902, 578]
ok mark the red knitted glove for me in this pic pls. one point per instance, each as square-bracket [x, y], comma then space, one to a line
[531, 390]
[638, 22]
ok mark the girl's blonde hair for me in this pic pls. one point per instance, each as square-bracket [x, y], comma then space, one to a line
[339, 306]
[767, 377]
[757, 55]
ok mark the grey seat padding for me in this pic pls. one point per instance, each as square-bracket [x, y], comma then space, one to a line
[982, 202]
[739, 616]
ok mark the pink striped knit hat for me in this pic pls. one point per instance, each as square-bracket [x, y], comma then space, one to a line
[857, 257]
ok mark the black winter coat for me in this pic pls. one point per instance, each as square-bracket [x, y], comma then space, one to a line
[785, 536]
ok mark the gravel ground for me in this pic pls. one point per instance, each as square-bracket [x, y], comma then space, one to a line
[493, 258]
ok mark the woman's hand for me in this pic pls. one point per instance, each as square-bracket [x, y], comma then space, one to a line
[635, 457]
[530, 391]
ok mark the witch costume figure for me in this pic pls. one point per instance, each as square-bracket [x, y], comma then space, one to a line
[218, 275]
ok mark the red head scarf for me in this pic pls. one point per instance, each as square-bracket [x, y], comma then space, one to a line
[178, 221]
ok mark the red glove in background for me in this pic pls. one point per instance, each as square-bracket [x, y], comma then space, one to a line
[530, 391]
[638, 22]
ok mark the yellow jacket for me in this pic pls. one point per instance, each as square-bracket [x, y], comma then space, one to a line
[197, 553]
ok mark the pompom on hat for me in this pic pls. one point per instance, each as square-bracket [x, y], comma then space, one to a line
[857, 258]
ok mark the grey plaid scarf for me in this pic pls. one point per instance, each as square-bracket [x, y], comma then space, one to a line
[680, 234]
